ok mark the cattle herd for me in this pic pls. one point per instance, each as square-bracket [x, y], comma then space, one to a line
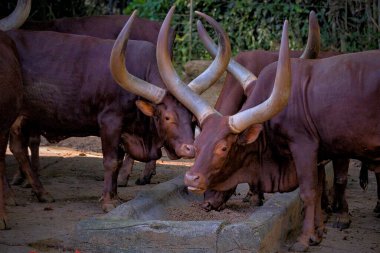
[275, 124]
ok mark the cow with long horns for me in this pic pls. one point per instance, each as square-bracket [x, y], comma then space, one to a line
[69, 91]
[281, 132]
[242, 72]
[10, 93]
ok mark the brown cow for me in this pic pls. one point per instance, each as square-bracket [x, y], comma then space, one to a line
[69, 91]
[277, 138]
[10, 92]
[244, 69]
[106, 27]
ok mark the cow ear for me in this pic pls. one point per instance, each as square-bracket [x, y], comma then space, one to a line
[145, 107]
[250, 134]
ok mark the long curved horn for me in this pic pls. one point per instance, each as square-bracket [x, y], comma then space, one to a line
[17, 17]
[123, 77]
[313, 38]
[243, 75]
[277, 100]
[198, 106]
[218, 66]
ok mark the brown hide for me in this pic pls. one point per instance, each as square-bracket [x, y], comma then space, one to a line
[106, 27]
[10, 105]
[69, 91]
[333, 112]
[232, 95]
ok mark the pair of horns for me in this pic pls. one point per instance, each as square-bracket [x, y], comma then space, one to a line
[201, 109]
[246, 77]
[17, 17]
[166, 69]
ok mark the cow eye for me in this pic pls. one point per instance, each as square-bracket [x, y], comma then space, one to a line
[224, 149]
[167, 118]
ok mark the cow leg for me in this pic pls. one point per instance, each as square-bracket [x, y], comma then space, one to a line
[125, 171]
[254, 196]
[340, 206]
[3, 147]
[18, 146]
[34, 145]
[216, 200]
[363, 176]
[305, 158]
[147, 174]
[110, 132]
[319, 220]
[377, 208]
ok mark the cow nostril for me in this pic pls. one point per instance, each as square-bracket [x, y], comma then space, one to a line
[192, 178]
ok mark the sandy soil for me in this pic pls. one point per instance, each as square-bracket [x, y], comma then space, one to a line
[74, 179]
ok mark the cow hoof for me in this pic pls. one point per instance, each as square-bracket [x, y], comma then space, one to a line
[3, 223]
[17, 179]
[109, 205]
[315, 240]
[299, 247]
[253, 199]
[26, 184]
[45, 197]
[144, 181]
[342, 221]
[122, 182]
[10, 201]
[377, 208]
[206, 206]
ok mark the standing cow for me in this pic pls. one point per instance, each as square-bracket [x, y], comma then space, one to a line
[10, 92]
[106, 27]
[277, 138]
[69, 91]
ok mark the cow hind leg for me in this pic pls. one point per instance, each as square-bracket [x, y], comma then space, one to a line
[19, 149]
[319, 220]
[3, 146]
[305, 158]
[34, 145]
[125, 171]
[340, 205]
[377, 208]
[147, 174]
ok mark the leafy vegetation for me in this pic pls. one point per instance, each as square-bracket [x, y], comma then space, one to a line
[346, 26]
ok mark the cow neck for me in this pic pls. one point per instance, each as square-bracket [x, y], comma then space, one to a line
[276, 169]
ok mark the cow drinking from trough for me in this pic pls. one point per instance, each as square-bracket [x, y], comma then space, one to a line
[239, 82]
[276, 144]
[10, 93]
[69, 91]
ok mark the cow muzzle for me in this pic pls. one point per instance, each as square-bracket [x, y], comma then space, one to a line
[186, 151]
[195, 182]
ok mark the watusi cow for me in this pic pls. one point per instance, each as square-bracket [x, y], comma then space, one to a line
[311, 110]
[106, 27]
[69, 91]
[245, 69]
[10, 93]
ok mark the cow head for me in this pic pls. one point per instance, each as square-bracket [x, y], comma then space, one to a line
[172, 120]
[223, 138]
[17, 17]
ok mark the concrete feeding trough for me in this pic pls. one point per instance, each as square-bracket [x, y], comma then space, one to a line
[144, 224]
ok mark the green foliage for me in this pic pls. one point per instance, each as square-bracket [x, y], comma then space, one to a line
[345, 25]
